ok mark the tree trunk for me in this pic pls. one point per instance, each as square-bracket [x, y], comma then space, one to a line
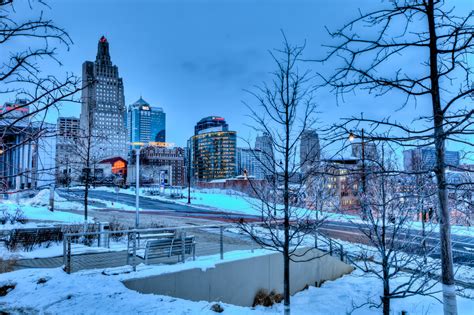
[449, 293]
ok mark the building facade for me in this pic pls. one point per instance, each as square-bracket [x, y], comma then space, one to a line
[67, 133]
[309, 150]
[160, 165]
[27, 155]
[424, 159]
[146, 123]
[264, 143]
[213, 150]
[103, 113]
[250, 163]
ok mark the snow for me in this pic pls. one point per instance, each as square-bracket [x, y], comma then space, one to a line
[102, 292]
[41, 213]
[56, 250]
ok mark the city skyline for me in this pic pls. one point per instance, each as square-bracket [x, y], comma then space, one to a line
[192, 75]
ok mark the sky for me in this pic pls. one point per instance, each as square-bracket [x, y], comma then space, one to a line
[196, 58]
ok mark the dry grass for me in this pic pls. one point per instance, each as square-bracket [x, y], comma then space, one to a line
[266, 299]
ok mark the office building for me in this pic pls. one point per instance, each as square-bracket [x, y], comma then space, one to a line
[27, 155]
[67, 133]
[160, 165]
[103, 112]
[250, 163]
[424, 159]
[213, 150]
[309, 150]
[264, 143]
[146, 123]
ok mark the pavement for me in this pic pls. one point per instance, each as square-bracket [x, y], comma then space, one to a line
[463, 246]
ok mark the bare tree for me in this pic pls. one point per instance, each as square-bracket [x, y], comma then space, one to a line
[33, 94]
[283, 110]
[87, 154]
[394, 250]
[376, 61]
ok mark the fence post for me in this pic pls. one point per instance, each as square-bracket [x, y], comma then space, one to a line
[68, 256]
[330, 247]
[128, 248]
[342, 253]
[134, 262]
[251, 233]
[64, 250]
[316, 239]
[222, 241]
[183, 249]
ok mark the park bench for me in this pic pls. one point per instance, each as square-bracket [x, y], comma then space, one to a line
[167, 247]
[30, 237]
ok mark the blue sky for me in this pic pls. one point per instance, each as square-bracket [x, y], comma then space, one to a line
[195, 58]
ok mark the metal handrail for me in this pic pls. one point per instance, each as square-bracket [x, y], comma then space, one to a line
[148, 230]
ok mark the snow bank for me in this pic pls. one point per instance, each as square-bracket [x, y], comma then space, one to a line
[97, 292]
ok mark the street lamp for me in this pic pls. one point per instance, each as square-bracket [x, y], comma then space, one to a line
[189, 172]
[352, 137]
[137, 182]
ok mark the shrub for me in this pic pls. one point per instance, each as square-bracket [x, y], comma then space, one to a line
[266, 299]
[115, 225]
[4, 217]
[79, 228]
[7, 287]
[217, 308]
[18, 216]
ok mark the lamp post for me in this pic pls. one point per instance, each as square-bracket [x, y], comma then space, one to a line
[363, 175]
[189, 171]
[137, 187]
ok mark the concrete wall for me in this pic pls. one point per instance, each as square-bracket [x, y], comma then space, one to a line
[237, 282]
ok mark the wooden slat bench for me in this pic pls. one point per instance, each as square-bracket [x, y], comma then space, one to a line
[167, 247]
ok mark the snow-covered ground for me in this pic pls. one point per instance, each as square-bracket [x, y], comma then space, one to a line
[52, 291]
[36, 208]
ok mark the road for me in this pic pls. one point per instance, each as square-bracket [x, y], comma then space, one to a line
[159, 207]
[463, 246]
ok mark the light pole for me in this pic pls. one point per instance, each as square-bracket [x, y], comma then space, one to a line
[137, 187]
[363, 176]
[189, 172]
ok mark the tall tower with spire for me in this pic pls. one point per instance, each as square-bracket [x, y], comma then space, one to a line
[103, 114]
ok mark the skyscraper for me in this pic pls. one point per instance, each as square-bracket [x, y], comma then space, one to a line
[213, 149]
[264, 143]
[103, 106]
[146, 123]
[309, 150]
[250, 163]
[67, 134]
[424, 159]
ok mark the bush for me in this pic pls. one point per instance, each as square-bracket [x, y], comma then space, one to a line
[266, 299]
[4, 217]
[79, 228]
[18, 216]
[115, 225]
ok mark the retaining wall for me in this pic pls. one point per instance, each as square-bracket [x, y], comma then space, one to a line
[237, 282]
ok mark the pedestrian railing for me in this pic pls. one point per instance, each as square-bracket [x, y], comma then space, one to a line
[108, 249]
[104, 249]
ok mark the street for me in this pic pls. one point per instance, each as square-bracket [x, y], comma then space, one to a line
[463, 246]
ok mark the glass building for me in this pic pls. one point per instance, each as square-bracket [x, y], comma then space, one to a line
[146, 123]
[213, 150]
